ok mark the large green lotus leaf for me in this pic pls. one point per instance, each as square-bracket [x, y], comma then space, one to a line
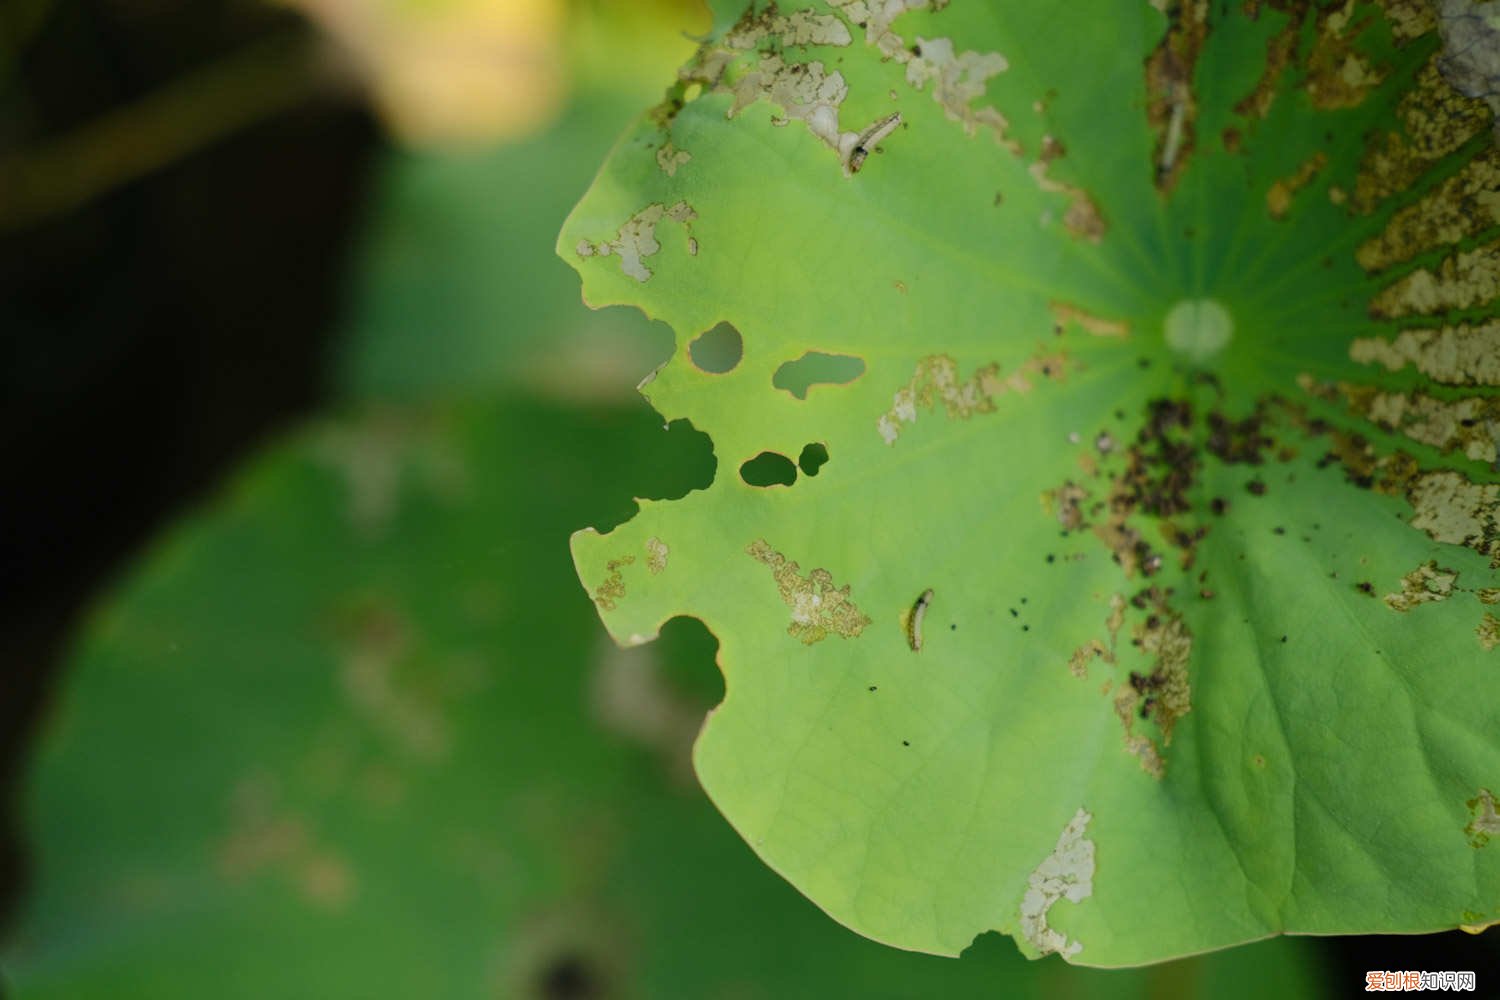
[353, 732]
[1139, 607]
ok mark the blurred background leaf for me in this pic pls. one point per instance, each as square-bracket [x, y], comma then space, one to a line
[354, 731]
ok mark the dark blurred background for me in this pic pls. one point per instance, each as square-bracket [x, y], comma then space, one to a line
[222, 218]
[166, 312]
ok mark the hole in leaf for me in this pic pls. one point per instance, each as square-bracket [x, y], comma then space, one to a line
[688, 653]
[816, 368]
[769, 469]
[813, 458]
[682, 463]
[717, 351]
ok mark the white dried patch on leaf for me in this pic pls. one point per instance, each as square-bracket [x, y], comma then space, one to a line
[818, 607]
[636, 239]
[877, 16]
[1470, 426]
[1097, 326]
[1082, 217]
[1409, 18]
[936, 382]
[1453, 355]
[1450, 508]
[1078, 663]
[1464, 280]
[1462, 206]
[1067, 873]
[1471, 48]
[612, 590]
[656, 555]
[797, 29]
[804, 92]
[669, 158]
[1484, 821]
[1433, 120]
[1427, 584]
[1488, 631]
[958, 79]
[1066, 504]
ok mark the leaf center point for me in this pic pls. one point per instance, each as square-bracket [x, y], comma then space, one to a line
[1198, 329]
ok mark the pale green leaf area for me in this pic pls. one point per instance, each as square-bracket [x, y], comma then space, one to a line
[1140, 606]
[352, 731]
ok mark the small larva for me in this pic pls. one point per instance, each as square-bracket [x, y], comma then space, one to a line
[914, 621]
[868, 139]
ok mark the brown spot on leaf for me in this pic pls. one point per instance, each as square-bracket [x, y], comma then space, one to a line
[1095, 325]
[1280, 49]
[1469, 426]
[1462, 354]
[818, 607]
[1172, 108]
[1435, 120]
[936, 382]
[1409, 18]
[1484, 821]
[1078, 663]
[612, 590]
[656, 555]
[1427, 584]
[1465, 280]
[1279, 197]
[1488, 631]
[1460, 207]
[1338, 74]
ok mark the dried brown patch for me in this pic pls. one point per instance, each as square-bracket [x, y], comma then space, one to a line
[1279, 197]
[1082, 217]
[1469, 426]
[1095, 325]
[1435, 120]
[1461, 207]
[936, 382]
[1163, 694]
[609, 593]
[1488, 631]
[1465, 280]
[1453, 355]
[818, 607]
[1280, 49]
[1484, 821]
[1172, 108]
[1338, 74]
[1409, 18]
[1429, 583]
[656, 555]
[1078, 663]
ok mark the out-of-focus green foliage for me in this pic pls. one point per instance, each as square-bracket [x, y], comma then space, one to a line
[457, 288]
[354, 732]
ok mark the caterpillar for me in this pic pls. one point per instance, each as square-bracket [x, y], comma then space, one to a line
[914, 620]
[869, 137]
